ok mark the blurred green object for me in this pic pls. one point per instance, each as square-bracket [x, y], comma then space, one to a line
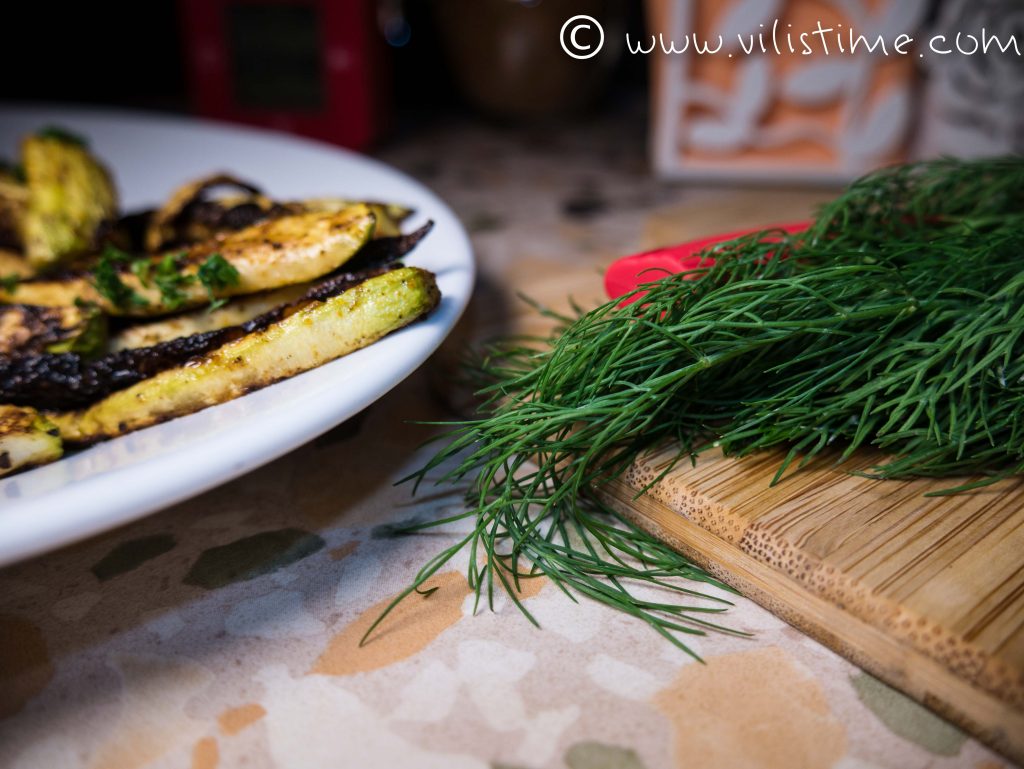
[70, 194]
[508, 59]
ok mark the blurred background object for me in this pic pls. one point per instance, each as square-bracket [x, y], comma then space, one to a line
[315, 67]
[375, 73]
[790, 116]
[505, 56]
[975, 104]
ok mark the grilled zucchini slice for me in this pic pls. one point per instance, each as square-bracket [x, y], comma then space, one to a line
[69, 380]
[190, 215]
[389, 215]
[27, 329]
[27, 439]
[374, 255]
[239, 310]
[69, 194]
[277, 252]
[315, 334]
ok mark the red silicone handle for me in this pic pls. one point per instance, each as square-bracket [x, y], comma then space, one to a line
[626, 273]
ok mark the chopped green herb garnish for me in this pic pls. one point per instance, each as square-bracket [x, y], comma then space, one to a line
[143, 270]
[9, 283]
[109, 284]
[61, 134]
[170, 280]
[107, 279]
[216, 274]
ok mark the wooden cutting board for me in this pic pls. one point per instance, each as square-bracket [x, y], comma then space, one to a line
[927, 593]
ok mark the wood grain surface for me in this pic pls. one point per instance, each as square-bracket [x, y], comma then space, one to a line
[925, 592]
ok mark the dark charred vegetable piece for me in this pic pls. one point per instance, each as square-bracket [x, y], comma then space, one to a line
[190, 215]
[27, 329]
[381, 251]
[199, 210]
[69, 380]
[312, 335]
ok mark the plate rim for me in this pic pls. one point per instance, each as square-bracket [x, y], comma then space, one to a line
[24, 533]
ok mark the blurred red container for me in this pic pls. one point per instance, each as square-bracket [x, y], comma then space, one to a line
[312, 67]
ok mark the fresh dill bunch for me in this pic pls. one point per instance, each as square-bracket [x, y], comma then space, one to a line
[896, 323]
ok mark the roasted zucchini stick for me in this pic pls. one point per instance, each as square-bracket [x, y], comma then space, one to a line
[69, 194]
[315, 334]
[26, 439]
[375, 254]
[277, 252]
[27, 329]
[69, 381]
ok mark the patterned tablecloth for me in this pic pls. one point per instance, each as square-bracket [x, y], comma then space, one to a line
[224, 631]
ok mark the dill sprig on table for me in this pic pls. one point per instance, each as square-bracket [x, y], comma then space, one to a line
[896, 322]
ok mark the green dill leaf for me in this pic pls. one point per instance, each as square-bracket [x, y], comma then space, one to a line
[106, 279]
[143, 270]
[217, 274]
[112, 253]
[895, 323]
[170, 280]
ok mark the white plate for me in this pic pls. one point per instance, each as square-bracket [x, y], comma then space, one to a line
[126, 478]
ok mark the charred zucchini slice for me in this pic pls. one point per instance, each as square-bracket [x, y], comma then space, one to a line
[389, 215]
[26, 439]
[69, 194]
[69, 380]
[192, 214]
[277, 252]
[27, 329]
[239, 310]
[315, 334]
[374, 255]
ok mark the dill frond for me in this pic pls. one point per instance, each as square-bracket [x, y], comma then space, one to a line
[895, 322]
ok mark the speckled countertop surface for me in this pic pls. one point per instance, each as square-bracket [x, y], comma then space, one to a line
[224, 631]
